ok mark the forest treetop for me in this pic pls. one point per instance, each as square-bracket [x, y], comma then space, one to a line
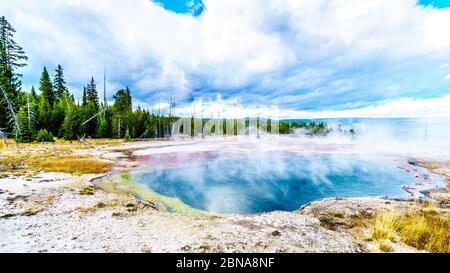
[54, 112]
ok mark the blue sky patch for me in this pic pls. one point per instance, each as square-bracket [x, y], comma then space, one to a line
[435, 3]
[194, 7]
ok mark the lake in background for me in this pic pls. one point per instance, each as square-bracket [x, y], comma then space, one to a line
[436, 130]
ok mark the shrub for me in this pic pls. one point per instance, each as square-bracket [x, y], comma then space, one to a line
[127, 135]
[44, 136]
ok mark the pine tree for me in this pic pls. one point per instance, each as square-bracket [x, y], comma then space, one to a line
[150, 125]
[33, 93]
[123, 103]
[46, 87]
[72, 122]
[44, 110]
[33, 104]
[122, 106]
[84, 99]
[12, 57]
[90, 122]
[57, 116]
[91, 94]
[140, 128]
[127, 136]
[59, 83]
[27, 130]
[90, 109]
[103, 129]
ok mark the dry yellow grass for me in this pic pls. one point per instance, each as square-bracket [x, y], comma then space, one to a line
[59, 143]
[74, 164]
[424, 227]
[385, 245]
[2, 145]
[27, 158]
[384, 226]
[105, 141]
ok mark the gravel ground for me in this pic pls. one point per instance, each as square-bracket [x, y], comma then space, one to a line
[55, 217]
[52, 212]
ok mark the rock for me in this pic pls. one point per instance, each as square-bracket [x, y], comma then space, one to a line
[186, 248]
[146, 249]
[412, 162]
[276, 233]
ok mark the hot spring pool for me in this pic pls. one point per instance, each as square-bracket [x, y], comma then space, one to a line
[275, 183]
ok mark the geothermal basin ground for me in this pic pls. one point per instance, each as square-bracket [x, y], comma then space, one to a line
[48, 211]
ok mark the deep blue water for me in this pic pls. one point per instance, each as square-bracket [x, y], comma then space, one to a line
[267, 184]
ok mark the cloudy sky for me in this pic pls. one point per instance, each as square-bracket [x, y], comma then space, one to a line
[322, 58]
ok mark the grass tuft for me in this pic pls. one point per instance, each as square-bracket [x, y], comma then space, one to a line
[385, 246]
[87, 191]
[385, 226]
[422, 227]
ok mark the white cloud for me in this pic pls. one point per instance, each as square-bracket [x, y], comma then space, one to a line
[408, 108]
[447, 77]
[402, 108]
[296, 53]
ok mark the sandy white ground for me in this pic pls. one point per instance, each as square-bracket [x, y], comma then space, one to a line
[47, 213]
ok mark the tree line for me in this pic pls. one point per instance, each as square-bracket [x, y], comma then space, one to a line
[54, 112]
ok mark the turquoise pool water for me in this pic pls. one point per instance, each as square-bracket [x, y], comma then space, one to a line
[272, 183]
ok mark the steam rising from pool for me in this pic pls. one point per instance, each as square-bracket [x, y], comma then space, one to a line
[276, 182]
[250, 174]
